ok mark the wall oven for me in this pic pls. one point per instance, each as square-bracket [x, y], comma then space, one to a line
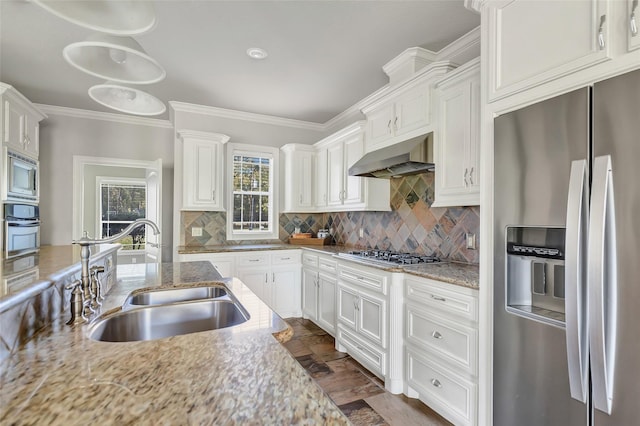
[22, 177]
[21, 229]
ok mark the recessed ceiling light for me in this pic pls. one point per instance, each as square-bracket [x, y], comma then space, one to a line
[257, 53]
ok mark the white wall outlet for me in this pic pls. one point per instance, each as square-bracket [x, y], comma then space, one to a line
[196, 231]
[361, 233]
[471, 241]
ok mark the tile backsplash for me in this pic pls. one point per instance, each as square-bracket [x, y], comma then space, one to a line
[412, 225]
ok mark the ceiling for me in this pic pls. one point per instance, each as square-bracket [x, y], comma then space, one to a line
[324, 56]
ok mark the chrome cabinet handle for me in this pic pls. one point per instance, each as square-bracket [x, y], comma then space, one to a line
[395, 123]
[471, 176]
[213, 195]
[633, 27]
[601, 43]
[466, 172]
[285, 258]
[254, 260]
[389, 125]
[436, 335]
[273, 277]
[438, 298]
[436, 383]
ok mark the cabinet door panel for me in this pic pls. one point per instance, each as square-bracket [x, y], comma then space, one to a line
[453, 140]
[347, 305]
[13, 125]
[320, 173]
[303, 175]
[258, 281]
[529, 45]
[309, 293]
[379, 126]
[327, 302]
[285, 291]
[353, 150]
[412, 110]
[335, 174]
[372, 318]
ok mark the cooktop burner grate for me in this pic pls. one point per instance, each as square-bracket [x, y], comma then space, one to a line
[392, 257]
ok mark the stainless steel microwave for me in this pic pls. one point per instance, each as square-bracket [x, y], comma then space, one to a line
[22, 178]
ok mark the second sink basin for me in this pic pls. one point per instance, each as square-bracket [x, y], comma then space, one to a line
[156, 322]
[173, 295]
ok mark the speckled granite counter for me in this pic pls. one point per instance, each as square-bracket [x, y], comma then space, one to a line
[462, 274]
[41, 269]
[239, 375]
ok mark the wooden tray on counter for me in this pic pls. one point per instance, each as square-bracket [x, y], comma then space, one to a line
[311, 241]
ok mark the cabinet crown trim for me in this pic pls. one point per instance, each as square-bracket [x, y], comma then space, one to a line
[413, 56]
[21, 99]
[471, 67]
[196, 134]
[351, 129]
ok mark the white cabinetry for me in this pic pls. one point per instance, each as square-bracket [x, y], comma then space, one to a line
[274, 276]
[20, 122]
[203, 173]
[457, 138]
[223, 262]
[530, 44]
[369, 320]
[633, 18]
[405, 111]
[319, 284]
[298, 163]
[346, 192]
[442, 347]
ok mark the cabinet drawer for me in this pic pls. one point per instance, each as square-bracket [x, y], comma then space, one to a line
[286, 257]
[328, 265]
[447, 393]
[454, 342]
[253, 259]
[310, 259]
[371, 357]
[456, 300]
[366, 279]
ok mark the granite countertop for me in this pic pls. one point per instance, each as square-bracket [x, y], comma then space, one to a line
[42, 269]
[229, 376]
[462, 274]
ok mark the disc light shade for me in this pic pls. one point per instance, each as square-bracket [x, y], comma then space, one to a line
[126, 99]
[114, 58]
[122, 17]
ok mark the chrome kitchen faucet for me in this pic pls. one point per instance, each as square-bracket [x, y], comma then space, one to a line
[86, 292]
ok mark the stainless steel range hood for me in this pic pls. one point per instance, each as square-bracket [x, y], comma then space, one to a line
[410, 157]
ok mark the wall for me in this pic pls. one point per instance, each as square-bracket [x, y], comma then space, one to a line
[63, 136]
[91, 172]
[411, 226]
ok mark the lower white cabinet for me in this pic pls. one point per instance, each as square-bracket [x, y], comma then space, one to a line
[369, 320]
[441, 347]
[319, 286]
[274, 276]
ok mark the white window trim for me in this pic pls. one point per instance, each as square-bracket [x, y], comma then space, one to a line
[253, 150]
[100, 180]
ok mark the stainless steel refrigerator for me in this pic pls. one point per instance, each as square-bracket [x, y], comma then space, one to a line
[567, 259]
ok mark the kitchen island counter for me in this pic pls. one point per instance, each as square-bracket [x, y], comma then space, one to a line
[236, 375]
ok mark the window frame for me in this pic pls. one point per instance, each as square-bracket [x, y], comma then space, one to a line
[100, 180]
[274, 205]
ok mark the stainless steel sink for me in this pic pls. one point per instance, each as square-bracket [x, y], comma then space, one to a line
[173, 295]
[156, 322]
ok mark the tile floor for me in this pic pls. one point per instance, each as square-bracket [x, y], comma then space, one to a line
[358, 393]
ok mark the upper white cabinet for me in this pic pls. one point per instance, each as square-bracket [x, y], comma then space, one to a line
[633, 32]
[405, 111]
[457, 138]
[299, 182]
[346, 192]
[531, 44]
[320, 194]
[202, 167]
[20, 122]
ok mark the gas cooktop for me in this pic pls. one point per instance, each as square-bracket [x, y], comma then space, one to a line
[389, 257]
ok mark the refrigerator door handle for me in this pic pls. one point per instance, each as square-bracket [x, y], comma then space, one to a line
[575, 279]
[602, 284]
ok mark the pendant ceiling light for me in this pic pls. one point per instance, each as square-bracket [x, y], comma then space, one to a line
[122, 17]
[114, 58]
[126, 99]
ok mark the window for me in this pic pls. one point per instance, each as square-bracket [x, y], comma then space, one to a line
[121, 202]
[252, 213]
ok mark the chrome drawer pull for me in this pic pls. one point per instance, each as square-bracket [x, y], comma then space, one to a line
[285, 258]
[436, 335]
[438, 298]
[254, 260]
[436, 383]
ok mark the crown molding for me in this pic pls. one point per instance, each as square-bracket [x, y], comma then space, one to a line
[22, 100]
[416, 56]
[209, 136]
[245, 116]
[467, 42]
[104, 116]
[354, 128]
